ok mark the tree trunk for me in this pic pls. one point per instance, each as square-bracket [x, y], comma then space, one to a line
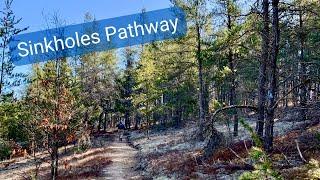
[54, 163]
[303, 70]
[127, 119]
[105, 122]
[262, 70]
[54, 156]
[2, 66]
[201, 101]
[216, 141]
[232, 91]
[137, 120]
[100, 121]
[272, 93]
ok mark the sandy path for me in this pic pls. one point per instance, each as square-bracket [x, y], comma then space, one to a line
[123, 159]
[121, 155]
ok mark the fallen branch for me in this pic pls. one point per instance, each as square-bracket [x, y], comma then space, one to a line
[285, 157]
[238, 156]
[242, 159]
[300, 154]
[245, 145]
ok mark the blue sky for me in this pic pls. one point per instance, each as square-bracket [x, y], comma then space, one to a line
[73, 11]
[33, 13]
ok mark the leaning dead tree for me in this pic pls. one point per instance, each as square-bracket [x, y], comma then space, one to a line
[216, 139]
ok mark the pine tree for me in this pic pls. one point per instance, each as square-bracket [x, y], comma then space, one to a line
[8, 29]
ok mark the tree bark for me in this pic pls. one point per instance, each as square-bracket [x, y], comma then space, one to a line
[272, 93]
[127, 119]
[105, 122]
[2, 67]
[54, 156]
[215, 142]
[100, 121]
[303, 70]
[200, 79]
[262, 70]
[232, 90]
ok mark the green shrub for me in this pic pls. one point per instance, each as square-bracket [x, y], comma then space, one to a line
[262, 164]
[5, 150]
[314, 169]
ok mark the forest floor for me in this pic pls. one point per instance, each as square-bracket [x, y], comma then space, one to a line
[173, 153]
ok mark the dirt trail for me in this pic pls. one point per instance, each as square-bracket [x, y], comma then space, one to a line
[123, 159]
[108, 158]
